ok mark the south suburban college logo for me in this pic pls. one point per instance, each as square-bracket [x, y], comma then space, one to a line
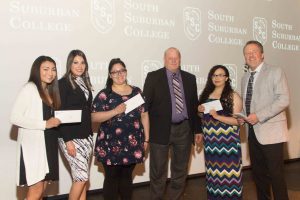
[149, 66]
[232, 68]
[192, 22]
[103, 15]
[260, 29]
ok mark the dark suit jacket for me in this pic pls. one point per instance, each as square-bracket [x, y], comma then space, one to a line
[158, 99]
[75, 100]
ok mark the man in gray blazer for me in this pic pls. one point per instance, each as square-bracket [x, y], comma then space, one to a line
[265, 97]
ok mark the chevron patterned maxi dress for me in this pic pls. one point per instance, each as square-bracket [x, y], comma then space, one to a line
[222, 159]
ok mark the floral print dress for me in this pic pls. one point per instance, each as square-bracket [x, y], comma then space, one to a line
[120, 140]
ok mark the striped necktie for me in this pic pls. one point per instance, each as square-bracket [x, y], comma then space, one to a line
[177, 94]
[249, 93]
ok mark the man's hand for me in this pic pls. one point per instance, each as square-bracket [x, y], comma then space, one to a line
[252, 119]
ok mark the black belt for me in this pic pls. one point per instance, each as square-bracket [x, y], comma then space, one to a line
[178, 123]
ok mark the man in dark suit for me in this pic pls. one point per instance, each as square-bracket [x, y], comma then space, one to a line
[171, 96]
[266, 96]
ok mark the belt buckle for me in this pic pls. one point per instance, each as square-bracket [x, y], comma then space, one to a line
[178, 123]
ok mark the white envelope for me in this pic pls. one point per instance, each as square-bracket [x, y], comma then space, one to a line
[133, 103]
[68, 116]
[212, 105]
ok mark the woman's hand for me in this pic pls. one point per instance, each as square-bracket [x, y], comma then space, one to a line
[201, 108]
[213, 113]
[241, 121]
[146, 144]
[120, 108]
[52, 122]
[71, 148]
[198, 138]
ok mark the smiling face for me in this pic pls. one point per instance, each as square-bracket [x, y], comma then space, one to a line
[219, 78]
[172, 59]
[253, 56]
[118, 74]
[78, 66]
[47, 72]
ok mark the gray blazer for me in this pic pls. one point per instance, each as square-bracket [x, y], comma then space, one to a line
[269, 100]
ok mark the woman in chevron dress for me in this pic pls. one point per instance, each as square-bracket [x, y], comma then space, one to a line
[221, 137]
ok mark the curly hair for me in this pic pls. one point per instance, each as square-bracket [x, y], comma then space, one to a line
[227, 93]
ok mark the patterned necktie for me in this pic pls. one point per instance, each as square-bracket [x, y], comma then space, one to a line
[249, 93]
[177, 94]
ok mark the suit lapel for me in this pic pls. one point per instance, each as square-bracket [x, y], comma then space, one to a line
[185, 85]
[262, 73]
[257, 86]
[165, 83]
[259, 79]
[81, 93]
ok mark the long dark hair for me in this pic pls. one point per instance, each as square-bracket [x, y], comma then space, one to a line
[85, 76]
[35, 77]
[109, 81]
[227, 93]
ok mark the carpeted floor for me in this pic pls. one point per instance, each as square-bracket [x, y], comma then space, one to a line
[195, 187]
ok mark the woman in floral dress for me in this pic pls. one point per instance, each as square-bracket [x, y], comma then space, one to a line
[122, 138]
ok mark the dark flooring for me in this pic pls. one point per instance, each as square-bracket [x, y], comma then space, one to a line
[195, 187]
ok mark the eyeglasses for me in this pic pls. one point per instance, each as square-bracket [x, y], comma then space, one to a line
[218, 75]
[118, 73]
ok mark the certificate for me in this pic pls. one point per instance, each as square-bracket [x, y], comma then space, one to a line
[68, 116]
[212, 105]
[239, 115]
[133, 103]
